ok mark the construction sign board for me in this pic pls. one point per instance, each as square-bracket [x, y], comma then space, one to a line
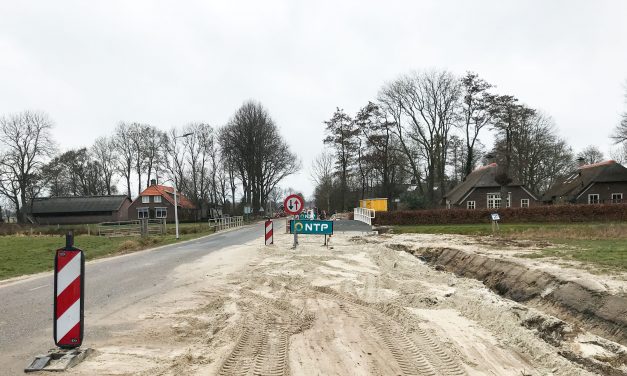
[311, 227]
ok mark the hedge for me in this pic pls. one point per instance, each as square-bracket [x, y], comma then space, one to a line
[548, 213]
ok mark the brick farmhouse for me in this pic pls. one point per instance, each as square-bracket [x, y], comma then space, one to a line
[157, 202]
[481, 191]
[599, 183]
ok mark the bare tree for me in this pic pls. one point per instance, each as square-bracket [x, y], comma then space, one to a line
[620, 133]
[137, 134]
[537, 156]
[591, 154]
[322, 176]
[229, 165]
[390, 100]
[124, 149]
[25, 144]
[103, 151]
[153, 151]
[341, 135]
[260, 155]
[430, 103]
[619, 153]
[199, 146]
[476, 114]
[176, 155]
[75, 173]
[510, 117]
[378, 133]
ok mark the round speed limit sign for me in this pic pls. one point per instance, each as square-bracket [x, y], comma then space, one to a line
[293, 204]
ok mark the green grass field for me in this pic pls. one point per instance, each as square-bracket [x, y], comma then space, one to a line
[599, 244]
[23, 254]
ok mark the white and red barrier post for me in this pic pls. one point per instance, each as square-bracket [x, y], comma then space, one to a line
[269, 232]
[69, 288]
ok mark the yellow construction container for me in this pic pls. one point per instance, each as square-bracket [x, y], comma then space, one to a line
[378, 204]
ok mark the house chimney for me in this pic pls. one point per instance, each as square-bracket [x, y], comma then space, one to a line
[153, 182]
[581, 161]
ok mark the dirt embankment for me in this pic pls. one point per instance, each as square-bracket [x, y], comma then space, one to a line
[593, 309]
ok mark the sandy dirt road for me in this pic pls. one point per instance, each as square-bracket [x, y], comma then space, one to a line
[358, 308]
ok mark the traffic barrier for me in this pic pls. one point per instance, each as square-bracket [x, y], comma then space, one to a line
[69, 287]
[364, 215]
[268, 232]
[67, 326]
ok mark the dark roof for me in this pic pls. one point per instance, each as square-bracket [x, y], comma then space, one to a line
[570, 187]
[77, 204]
[482, 177]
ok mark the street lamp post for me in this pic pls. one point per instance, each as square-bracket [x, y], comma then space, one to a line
[176, 213]
[176, 205]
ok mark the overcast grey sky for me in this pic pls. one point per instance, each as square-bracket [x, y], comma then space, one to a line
[92, 64]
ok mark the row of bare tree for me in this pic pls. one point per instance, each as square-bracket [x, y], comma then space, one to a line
[247, 158]
[423, 131]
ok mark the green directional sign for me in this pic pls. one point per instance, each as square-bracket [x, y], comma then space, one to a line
[314, 227]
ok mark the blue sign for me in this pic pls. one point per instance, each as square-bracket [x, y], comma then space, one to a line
[315, 227]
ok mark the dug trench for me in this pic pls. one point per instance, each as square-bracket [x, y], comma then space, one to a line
[575, 306]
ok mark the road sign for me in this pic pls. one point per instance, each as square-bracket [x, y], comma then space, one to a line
[269, 237]
[69, 287]
[495, 216]
[313, 227]
[293, 204]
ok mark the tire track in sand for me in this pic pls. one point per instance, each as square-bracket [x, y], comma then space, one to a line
[262, 347]
[415, 352]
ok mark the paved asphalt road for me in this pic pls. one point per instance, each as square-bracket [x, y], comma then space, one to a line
[345, 225]
[111, 284]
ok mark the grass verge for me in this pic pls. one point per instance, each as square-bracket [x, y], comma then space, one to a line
[23, 255]
[599, 244]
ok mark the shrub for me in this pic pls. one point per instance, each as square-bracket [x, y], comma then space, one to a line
[548, 213]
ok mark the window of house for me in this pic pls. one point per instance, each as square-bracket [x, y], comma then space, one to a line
[161, 212]
[593, 198]
[470, 205]
[145, 199]
[509, 199]
[142, 213]
[617, 198]
[156, 199]
[494, 200]
[524, 202]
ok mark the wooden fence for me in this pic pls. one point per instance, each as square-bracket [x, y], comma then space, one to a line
[226, 222]
[141, 227]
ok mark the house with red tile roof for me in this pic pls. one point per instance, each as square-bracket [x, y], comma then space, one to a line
[157, 201]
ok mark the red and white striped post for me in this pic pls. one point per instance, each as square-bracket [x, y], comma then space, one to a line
[69, 287]
[269, 236]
